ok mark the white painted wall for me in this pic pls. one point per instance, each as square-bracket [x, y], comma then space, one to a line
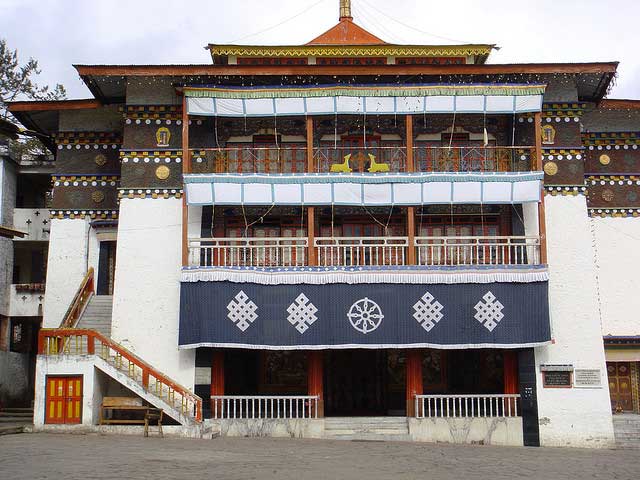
[147, 285]
[618, 256]
[66, 267]
[573, 417]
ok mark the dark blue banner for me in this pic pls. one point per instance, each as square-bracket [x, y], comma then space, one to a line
[249, 315]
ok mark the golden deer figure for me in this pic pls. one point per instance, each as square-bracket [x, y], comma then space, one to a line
[342, 167]
[377, 167]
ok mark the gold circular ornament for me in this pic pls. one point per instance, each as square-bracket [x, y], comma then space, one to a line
[97, 196]
[162, 172]
[551, 168]
[607, 195]
[605, 159]
[100, 160]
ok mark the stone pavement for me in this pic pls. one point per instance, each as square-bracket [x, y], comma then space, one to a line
[70, 457]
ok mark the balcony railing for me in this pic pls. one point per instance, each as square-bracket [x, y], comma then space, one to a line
[361, 251]
[229, 406]
[292, 158]
[474, 159]
[477, 250]
[466, 406]
[363, 160]
[248, 252]
[364, 251]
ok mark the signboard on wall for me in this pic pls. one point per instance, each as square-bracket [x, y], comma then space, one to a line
[590, 378]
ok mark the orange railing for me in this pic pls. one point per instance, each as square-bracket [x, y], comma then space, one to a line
[80, 300]
[73, 341]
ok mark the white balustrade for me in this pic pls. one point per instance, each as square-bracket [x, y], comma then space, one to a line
[466, 406]
[248, 252]
[361, 251]
[436, 251]
[364, 251]
[262, 407]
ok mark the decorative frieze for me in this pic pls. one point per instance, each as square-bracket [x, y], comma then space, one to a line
[565, 190]
[87, 140]
[149, 193]
[94, 214]
[147, 114]
[614, 212]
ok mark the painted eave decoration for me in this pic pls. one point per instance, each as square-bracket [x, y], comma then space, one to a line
[325, 50]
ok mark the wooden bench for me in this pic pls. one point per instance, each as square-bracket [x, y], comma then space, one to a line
[122, 404]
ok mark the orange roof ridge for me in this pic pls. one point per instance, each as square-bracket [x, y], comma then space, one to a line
[346, 32]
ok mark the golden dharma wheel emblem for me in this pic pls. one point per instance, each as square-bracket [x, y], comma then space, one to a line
[97, 196]
[100, 160]
[550, 168]
[162, 172]
[607, 195]
[605, 159]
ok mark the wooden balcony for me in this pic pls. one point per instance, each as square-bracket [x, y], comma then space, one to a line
[364, 251]
[293, 158]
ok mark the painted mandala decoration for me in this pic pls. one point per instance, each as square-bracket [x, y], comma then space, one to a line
[365, 315]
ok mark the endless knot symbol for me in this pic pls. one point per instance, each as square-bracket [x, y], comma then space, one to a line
[302, 313]
[427, 311]
[489, 313]
[242, 311]
[365, 315]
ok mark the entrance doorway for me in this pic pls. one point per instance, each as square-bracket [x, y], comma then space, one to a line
[364, 383]
[619, 374]
[106, 268]
[64, 400]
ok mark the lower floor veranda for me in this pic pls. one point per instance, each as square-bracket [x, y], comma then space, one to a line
[238, 383]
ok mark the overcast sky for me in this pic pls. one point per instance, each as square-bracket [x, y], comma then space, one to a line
[59, 33]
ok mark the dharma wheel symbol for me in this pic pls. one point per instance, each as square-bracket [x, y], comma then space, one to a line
[365, 315]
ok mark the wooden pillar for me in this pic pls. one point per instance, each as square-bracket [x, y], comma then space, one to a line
[310, 163]
[542, 226]
[409, 142]
[311, 235]
[411, 211]
[217, 373]
[186, 168]
[510, 371]
[315, 373]
[413, 379]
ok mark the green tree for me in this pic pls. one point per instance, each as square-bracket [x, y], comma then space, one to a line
[17, 82]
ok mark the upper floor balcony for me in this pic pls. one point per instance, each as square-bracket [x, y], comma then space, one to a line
[292, 158]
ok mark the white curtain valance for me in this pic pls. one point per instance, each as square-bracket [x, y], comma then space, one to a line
[254, 102]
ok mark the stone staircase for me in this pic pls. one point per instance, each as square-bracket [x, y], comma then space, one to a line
[367, 428]
[97, 315]
[627, 430]
[15, 420]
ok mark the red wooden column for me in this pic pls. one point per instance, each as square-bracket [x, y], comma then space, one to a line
[413, 379]
[311, 213]
[411, 211]
[217, 378]
[186, 168]
[510, 375]
[315, 373]
[542, 226]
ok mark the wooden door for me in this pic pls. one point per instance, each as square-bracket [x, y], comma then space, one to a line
[64, 400]
[619, 374]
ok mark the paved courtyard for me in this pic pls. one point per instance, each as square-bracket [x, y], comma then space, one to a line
[69, 457]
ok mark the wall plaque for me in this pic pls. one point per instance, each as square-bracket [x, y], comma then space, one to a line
[556, 379]
[588, 378]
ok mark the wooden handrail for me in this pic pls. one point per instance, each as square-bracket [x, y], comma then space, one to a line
[44, 348]
[79, 301]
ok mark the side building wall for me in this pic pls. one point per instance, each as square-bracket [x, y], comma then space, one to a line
[577, 417]
[147, 285]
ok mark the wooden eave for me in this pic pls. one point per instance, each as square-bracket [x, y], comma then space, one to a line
[619, 104]
[40, 106]
[350, 70]
[9, 232]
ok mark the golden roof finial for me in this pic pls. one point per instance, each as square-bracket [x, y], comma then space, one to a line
[345, 10]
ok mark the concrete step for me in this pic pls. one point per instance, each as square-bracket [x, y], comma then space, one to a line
[16, 420]
[11, 429]
[367, 428]
[26, 414]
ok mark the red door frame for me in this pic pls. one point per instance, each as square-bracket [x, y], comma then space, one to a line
[63, 401]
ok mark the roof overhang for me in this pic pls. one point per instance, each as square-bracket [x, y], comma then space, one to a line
[108, 82]
[9, 232]
[42, 116]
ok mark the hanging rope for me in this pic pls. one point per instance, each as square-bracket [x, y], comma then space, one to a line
[260, 219]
